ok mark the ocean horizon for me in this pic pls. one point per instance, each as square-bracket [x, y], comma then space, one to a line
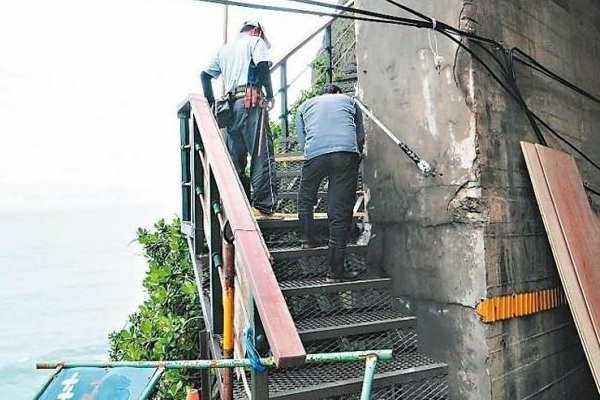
[69, 278]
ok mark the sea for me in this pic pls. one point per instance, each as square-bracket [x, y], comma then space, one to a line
[67, 279]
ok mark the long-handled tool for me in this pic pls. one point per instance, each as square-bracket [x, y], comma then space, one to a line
[261, 132]
[423, 165]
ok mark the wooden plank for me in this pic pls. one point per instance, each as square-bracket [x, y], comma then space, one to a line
[550, 189]
[577, 222]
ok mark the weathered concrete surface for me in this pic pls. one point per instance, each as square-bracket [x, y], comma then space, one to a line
[474, 230]
[438, 323]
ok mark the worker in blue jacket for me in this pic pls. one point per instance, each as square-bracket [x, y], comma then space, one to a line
[331, 133]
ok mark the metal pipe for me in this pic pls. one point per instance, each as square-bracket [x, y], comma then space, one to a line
[284, 100]
[148, 391]
[228, 316]
[221, 363]
[309, 38]
[370, 368]
[58, 367]
[423, 165]
[261, 133]
[186, 192]
[329, 51]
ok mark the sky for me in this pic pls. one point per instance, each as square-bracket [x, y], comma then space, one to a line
[89, 92]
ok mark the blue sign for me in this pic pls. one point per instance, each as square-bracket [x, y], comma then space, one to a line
[89, 383]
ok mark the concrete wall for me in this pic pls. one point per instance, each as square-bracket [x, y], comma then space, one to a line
[474, 230]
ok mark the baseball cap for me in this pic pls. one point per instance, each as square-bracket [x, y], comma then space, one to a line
[259, 26]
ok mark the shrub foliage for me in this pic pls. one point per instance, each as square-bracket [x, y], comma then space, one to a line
[167, 324]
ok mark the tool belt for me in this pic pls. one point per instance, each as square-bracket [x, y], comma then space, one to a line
[252, 96]
[223, 110]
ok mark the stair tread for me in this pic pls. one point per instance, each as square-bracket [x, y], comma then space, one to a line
[290, 220]
[322, 285]
[297, 251]
[404, 367]
[372, 318]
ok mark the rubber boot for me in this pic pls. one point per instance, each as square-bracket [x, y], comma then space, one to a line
[308, 239]
[337, 269]
[246, 185]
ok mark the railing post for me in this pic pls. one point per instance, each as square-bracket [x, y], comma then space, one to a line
[205, 376]
[228, 316]
[329, 51]
[197, 184]
[184, 132]
[216, 260]
[370, 368]
[260, 380]
[284, 100]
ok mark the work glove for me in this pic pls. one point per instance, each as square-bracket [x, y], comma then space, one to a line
[270, 103]
[211, 102]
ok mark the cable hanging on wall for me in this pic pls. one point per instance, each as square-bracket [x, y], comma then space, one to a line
[512, 55]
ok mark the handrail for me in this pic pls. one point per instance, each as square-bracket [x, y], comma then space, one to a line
[371, 357]
[282, 66]
[251, 254]
[309, 38]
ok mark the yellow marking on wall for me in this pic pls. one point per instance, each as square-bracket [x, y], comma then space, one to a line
[519, 305]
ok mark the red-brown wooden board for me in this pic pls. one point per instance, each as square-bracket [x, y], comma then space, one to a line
[574, 237]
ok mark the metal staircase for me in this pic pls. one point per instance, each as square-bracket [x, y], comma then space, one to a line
[280, 289]
[339, 317]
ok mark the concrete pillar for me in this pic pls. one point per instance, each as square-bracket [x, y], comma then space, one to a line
[474, 231]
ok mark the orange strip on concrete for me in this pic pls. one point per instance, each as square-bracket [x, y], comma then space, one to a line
[574, 237]
[517, 305]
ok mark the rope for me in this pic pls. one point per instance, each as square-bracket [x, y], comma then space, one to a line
[252, 353]
[437, 58]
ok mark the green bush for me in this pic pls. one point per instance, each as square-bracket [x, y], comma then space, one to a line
[167, 324]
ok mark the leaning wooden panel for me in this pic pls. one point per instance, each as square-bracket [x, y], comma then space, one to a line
[560, 249]
[577, 221]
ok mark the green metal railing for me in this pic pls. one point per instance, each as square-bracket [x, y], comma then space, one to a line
[281, 67]
[369, 356]
[223, 236]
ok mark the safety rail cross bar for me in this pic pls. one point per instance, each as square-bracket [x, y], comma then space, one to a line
[309, 38]
[316, 358]
[251, 252]
[369, 356]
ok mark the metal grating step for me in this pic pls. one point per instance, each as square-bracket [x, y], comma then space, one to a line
[344, 380]
[297, 252]
[399, 340]
[342, 303]
[354, 324]
[277, 238]
[321, 285]
[289, 269]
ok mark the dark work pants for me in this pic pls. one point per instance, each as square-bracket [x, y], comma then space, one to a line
[243, 139]
[342, 170]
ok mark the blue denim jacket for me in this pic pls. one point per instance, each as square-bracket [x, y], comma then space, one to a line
[329, 123]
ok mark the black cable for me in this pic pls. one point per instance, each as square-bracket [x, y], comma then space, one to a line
[438, 25]
[532, 63]
[541, 121]
[357, 11]
[516, 92]
[587, 186]
[485, 66]
[447, 30]
[386, 19]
